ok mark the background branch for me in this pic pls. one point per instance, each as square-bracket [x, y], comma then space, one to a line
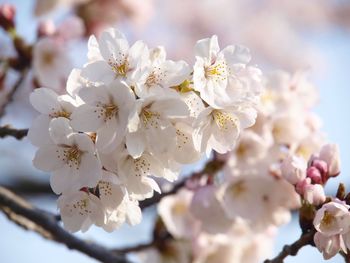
[293, 249]
[25, 215]
[210, 169]
[10, 95]
[8, 131]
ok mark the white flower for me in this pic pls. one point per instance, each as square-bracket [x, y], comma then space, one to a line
[111, 192]
[71, 158]
[150, 127]
[160, 74]
[283, 127]
[222, 77]
[185, 151]
[333, 218]
[293, 169]
[175, 213]
[332, 224]
[105, 112]
[134, 174]
[117, 61]
[79, 210]
[207, 209]
[218, 129]
[329, 246]
[261, 199]
[51, 64]
[50, 106]
[194, 103]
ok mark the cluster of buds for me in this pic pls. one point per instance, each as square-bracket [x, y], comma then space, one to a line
[309, 178]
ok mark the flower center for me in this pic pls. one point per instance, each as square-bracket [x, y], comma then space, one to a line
[82, 207]
[327, 219]
[150, 118]
[224, 120]
[61, 113]
[120, 68]
[238, 188]
[107, 111]
[72, 156]
[217, 71]
[48, 58]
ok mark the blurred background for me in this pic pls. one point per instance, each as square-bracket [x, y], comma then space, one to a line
[292, 35]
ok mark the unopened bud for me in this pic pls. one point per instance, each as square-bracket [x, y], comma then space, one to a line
[46, 28]
[315, 175]
[7, 16]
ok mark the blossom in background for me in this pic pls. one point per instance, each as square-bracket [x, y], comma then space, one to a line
[51, 60]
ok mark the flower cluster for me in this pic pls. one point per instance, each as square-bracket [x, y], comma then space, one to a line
[310, 178]
[131, 115]
[252, 195]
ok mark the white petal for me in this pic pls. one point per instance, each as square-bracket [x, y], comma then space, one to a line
[48, 158]
[87, 118]
[135, 143]
[90, 170]
[44, 100]
[38, 133]
[98, 71]
[60, 130]
[207, 47]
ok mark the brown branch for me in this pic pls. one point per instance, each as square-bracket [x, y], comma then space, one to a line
[293, 249]
[10, 95]
[25, 215]
[210, 169]
[8, 131]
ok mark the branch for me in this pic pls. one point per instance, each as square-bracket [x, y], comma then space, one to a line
[10, 95]
[293, 249]
[210, 169]
[23, 214]
[8, 131]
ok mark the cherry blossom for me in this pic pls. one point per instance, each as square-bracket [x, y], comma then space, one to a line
[71, 158]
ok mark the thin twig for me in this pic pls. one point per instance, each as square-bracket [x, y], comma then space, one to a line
[17, 133]
[293, 249]
[25, 215]
[11, 94]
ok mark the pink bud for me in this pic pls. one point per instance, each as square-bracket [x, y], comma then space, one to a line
[46, 28]
[7, 16]
[301, 186]
[314, 174]
[330, 154]
[322, 167]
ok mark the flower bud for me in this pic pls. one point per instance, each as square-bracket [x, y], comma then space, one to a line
[314, 194]
[330, 154]
[7, 16]
[46, 28]
[301, 186]
[314, 174]
[293, 169]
